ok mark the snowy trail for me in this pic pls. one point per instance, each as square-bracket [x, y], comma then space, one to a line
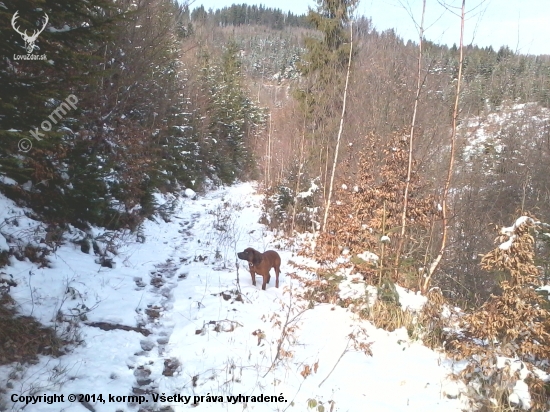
[202, 339]
[196, 264]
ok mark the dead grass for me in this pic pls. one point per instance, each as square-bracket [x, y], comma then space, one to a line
[22, 338]
[431, 324]
[388, 316]
[386, 312]
[35, 254]
[427, 325]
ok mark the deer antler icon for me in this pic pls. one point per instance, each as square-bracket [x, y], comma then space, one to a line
[29, 40]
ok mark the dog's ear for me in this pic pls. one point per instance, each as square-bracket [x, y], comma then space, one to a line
[256, 257]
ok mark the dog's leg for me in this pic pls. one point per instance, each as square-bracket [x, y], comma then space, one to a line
[253, 274]
[277, 271]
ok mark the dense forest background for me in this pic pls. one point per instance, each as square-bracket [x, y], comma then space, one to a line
[170, 99]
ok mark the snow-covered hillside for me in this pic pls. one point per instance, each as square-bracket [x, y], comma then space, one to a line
[194, 340]
[491, 132]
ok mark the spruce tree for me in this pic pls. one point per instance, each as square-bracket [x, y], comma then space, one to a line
[232, 117]
[326, 58]
[324, 67]
[36, 122]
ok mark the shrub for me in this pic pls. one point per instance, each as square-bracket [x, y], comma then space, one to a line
[514, 325]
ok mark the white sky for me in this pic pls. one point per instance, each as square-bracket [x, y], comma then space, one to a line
[523, 25]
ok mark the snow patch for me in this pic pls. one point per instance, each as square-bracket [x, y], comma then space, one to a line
[190, 193]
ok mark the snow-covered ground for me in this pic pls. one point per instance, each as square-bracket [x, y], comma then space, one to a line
[197, 341]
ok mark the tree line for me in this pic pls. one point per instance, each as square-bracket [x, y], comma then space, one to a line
[244, 14]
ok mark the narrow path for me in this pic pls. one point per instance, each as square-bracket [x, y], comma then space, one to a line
[151, 362]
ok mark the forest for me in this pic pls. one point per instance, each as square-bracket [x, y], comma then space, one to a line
[414, 151]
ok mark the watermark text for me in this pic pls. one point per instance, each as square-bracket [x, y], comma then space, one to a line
[57, 114]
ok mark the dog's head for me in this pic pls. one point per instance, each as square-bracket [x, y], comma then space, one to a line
[251, 255]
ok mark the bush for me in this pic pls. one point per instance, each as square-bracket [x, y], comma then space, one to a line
[514, 325]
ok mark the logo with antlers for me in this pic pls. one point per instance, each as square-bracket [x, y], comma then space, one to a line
[29, 40]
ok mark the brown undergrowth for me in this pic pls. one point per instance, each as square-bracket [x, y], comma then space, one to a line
[22, 338]
[505, 342]
[368, 206]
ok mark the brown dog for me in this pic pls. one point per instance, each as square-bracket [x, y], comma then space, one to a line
[261, 264]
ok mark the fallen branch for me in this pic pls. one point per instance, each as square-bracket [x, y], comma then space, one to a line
[113, 326]
[337, 362]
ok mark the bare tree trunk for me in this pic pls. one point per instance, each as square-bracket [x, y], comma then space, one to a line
[339, 131]
[299, 174]
[325, 173]
[411, 137]
[425, 283]
[268, 162]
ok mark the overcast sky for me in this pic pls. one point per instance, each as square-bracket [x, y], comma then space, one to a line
[523, 25]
